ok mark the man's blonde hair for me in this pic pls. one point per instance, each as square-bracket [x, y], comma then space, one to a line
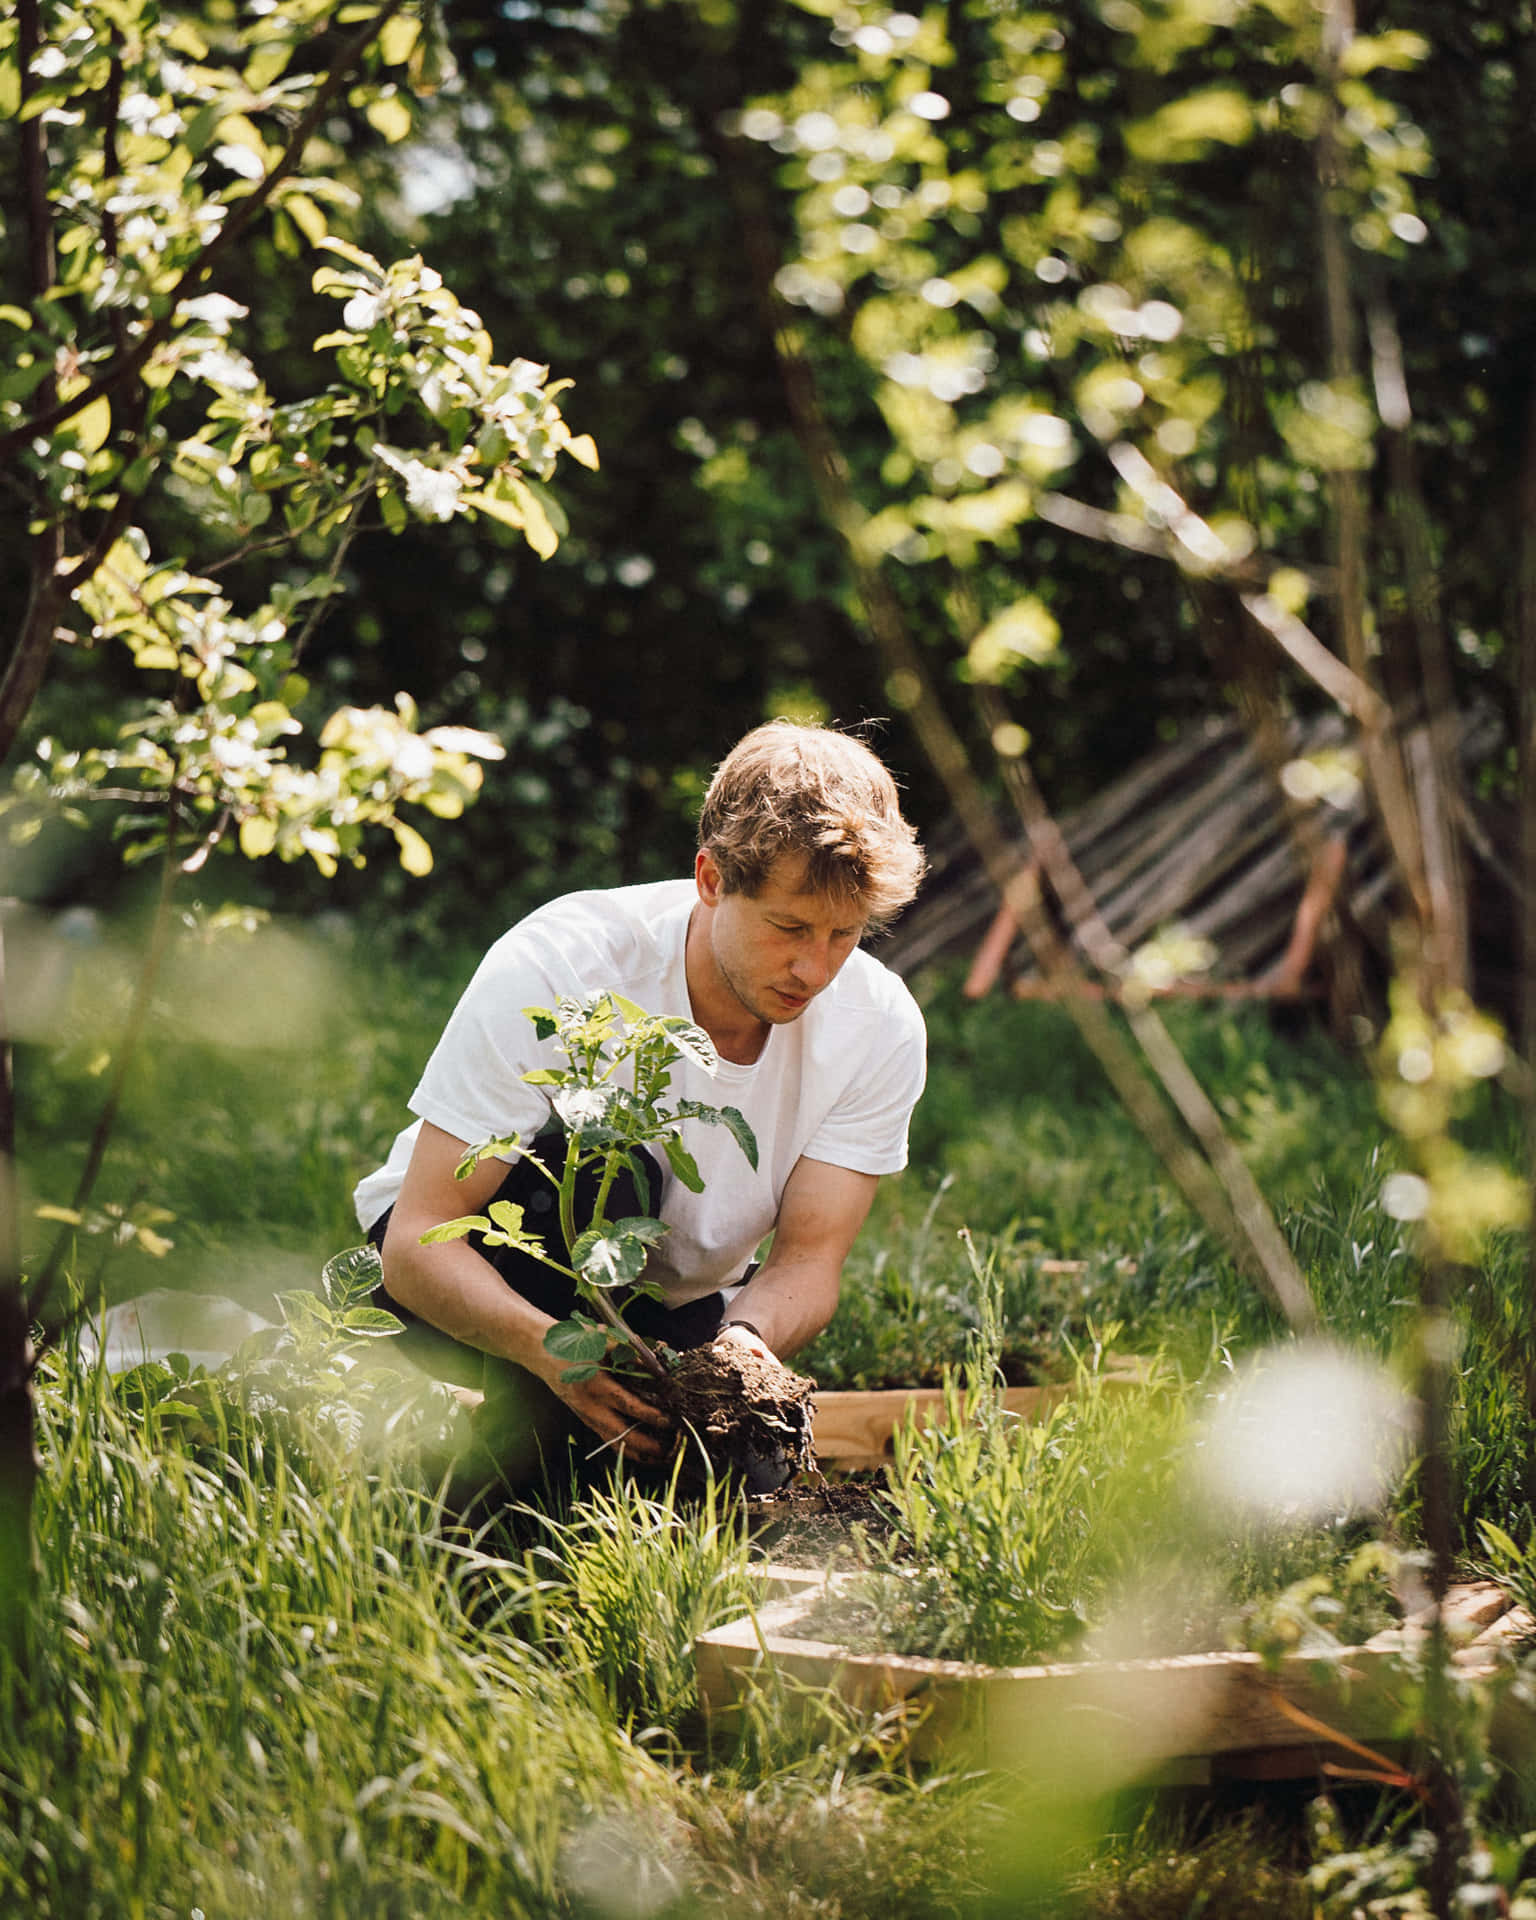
[788, 788]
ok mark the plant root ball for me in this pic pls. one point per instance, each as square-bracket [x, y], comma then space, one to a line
[751, 1416]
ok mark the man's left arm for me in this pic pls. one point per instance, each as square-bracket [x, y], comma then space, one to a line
[793, 1294]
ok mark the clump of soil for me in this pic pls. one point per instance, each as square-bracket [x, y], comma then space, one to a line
[751, 1415]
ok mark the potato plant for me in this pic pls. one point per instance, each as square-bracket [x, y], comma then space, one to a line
[605, 1040]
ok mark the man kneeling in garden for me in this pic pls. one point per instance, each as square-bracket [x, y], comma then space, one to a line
[821, 1048]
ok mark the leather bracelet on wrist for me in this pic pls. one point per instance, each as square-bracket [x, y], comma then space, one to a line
[747, 1324]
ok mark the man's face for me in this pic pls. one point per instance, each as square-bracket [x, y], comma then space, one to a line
[776, 949]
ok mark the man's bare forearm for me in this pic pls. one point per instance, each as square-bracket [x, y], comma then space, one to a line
[788, 1302]
[456, 1290]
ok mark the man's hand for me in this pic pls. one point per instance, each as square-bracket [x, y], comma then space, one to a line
[733, 1333]
[622, 1420]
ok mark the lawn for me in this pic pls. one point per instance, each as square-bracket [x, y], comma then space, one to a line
[266, 1673]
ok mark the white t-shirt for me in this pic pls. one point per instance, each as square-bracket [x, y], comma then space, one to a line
[837, 1085]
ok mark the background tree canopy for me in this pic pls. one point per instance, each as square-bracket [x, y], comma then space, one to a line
[1095, 224]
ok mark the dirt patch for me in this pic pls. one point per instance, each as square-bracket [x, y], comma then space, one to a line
[751, 1415]
[821, 1522]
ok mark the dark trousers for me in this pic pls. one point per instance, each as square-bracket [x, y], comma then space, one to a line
[524, 1432]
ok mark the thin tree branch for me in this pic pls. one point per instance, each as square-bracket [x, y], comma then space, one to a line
[127, 1050]
[1345, 688]
[1378, 742]
[322, 605]
[1402, 822]
[1525, 618]
[1440, 807]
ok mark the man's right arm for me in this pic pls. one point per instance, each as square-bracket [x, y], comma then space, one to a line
[457, 1290]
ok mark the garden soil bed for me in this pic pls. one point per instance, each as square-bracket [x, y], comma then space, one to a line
[810, 1524]
[1190, 1719]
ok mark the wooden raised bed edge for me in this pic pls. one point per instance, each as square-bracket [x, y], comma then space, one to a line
[1188, 1719]
[856, 1429]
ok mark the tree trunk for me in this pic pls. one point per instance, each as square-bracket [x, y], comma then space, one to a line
[18, 1445]
[1525, 640]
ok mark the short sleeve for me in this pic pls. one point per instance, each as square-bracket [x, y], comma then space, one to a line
[866, 1128]
[472, 1087]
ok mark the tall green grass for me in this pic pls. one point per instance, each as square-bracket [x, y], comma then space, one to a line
[267, 1673]
[259, 1680]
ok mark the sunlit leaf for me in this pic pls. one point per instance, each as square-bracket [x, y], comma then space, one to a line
[374, 1323]
[609, 1256]
[415, 852]
[397, 39]
[455, 1229]
[390, 116]
[692, 1042]
[351, 1275]
[92, 424]
[258, 835]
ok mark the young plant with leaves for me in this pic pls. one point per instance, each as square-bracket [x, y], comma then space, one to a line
[611, 1098]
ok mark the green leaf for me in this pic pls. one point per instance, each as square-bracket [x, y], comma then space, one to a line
[266, 63]
[333, 244]
[488, 1149]
[299, 1305]
[415, 851]
[306, 216]
[641, 1169]
[582, 1342]
[352, 1275]
[91, 424]
[741, 1133]
[202, 127]
[684, 1165]
[391, 117]
[545, 1025]
[551, 509]
[372, 1322]
[642, 1227]
[1398, 48]
[397, 40]
[609, 1256]
[538, 529]
[1499, 1543]
[455, 1229]
[691, 1041]
[1184, 129]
